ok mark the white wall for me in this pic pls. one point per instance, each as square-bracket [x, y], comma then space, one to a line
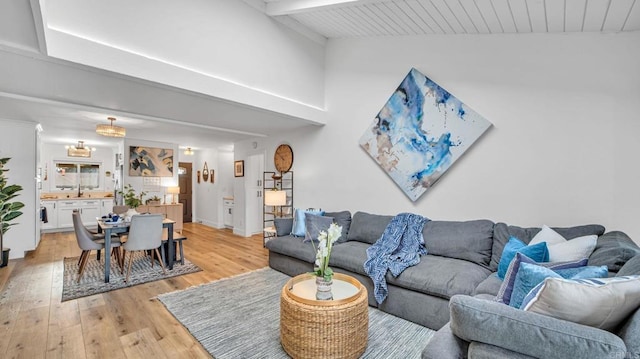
[206, 195]
[56, 152]
[19, 143]
[562, 150]
[223, 48]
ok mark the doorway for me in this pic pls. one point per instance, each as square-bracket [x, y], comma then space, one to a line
[254, 169]
[185, 197]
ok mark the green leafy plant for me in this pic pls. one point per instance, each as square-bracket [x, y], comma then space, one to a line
[9, 210]
[131, 199]
[152, 199]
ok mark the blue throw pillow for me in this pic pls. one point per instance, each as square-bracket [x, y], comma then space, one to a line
[506, 289]
[530, 275]
[299, 228]
[538, 252]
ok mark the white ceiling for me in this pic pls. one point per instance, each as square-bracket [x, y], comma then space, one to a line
[344, 18]
[185, 117]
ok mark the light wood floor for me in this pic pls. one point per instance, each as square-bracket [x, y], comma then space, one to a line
[126, 323]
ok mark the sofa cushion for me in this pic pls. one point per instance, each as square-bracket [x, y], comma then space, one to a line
[613, 249]
[349, 256]
[342, 219]
[502, 232]
[444, 344]
[470, 240]
[632, 267]
[299, 216]
[601, 303]
[440, 276]
[293, 247]
[539, 336]
[479, 350]
[490, 286]
[630, 334]
[367, 228]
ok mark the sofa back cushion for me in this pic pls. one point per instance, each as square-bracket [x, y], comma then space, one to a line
[367, 228]
[502, 232]
[613, 249]
[471, 240]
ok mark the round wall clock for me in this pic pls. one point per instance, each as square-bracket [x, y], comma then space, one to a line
[283, 158]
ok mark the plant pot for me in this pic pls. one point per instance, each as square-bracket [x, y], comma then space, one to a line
[5, 257]
[323, 289]
[130, 213]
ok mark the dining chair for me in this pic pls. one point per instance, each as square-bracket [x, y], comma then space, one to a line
[87, 243]
[95, 236]
[120, 209]
[145, 234]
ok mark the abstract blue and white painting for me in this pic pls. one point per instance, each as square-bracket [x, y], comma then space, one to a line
[420, 132]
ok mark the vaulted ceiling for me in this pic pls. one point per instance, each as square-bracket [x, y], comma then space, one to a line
[162, 106]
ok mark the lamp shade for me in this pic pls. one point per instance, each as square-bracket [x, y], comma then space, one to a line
[173, 190]
[275, 198]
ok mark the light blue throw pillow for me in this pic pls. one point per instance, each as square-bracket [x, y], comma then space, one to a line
[538, 252]
[299, 228]
[506, 289]
[530, 275]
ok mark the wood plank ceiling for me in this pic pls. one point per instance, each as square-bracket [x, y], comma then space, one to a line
[366, 18]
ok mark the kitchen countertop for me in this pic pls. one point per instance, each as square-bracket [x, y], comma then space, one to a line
[74, 198]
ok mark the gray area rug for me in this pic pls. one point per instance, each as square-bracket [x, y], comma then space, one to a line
[92, 281]
[239, 317]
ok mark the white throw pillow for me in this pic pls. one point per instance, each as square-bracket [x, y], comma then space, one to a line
[601, 303]
[548, 235]
[573, 249]
[562, 250]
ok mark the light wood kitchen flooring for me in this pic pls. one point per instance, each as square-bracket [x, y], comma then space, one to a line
[125, 323]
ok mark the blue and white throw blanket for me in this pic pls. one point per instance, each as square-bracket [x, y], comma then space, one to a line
[400, 247]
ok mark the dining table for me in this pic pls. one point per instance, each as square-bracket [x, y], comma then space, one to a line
[115, 228]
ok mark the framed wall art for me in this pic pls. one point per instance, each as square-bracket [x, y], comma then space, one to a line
[238, 168]
[150, 161]
[420, 132]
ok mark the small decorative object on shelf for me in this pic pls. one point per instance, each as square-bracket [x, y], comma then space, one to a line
[322, 271]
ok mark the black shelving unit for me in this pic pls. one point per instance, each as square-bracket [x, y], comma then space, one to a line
[279, 182]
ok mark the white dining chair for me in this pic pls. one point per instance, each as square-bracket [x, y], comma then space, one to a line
[145, 234]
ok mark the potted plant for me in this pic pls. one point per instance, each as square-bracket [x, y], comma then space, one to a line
[152, 201]
[131, 199]
[8, 210]
[322, 271]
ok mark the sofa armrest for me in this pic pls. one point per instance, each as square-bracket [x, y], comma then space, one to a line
[445, 345]
[478, 320]
[479, 350]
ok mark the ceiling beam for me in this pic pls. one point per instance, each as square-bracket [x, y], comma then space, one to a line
[288, 7]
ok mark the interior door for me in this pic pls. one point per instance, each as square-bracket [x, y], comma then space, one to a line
[185, 197]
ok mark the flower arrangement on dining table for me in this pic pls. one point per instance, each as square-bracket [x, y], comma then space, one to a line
[326, 239]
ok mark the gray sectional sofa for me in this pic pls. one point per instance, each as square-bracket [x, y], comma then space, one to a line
[452, 289]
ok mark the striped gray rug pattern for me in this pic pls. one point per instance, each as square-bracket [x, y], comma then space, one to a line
[92, 281]
[239, 317]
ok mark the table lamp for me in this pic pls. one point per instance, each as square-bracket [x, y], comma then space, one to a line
[275, 198]
[173, 191]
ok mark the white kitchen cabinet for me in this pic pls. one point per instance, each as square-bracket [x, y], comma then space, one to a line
[65, 210]
[52, 215]
[106, 206]
[228, 213]
[89, 211]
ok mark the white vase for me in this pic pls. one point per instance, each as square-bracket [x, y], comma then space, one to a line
[130, 213]
[323, 289]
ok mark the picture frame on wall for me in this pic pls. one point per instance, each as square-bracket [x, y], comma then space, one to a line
[238, 168]
[150, 162]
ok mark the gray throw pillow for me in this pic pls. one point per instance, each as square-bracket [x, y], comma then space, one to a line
[342, 219]
[283, 226]
[314, 225]
[613, 250]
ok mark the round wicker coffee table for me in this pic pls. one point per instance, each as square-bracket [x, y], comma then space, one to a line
[311, 328]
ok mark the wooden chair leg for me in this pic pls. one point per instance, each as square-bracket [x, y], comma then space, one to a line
[84, 253]
[152, 256]
[98, 255]
[126, 279]
[122, 259]
[161, 261]
[82, 265]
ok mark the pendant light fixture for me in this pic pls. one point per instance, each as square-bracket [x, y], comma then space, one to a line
[111, 130]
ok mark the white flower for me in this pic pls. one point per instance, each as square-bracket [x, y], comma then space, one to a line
[335, 231]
